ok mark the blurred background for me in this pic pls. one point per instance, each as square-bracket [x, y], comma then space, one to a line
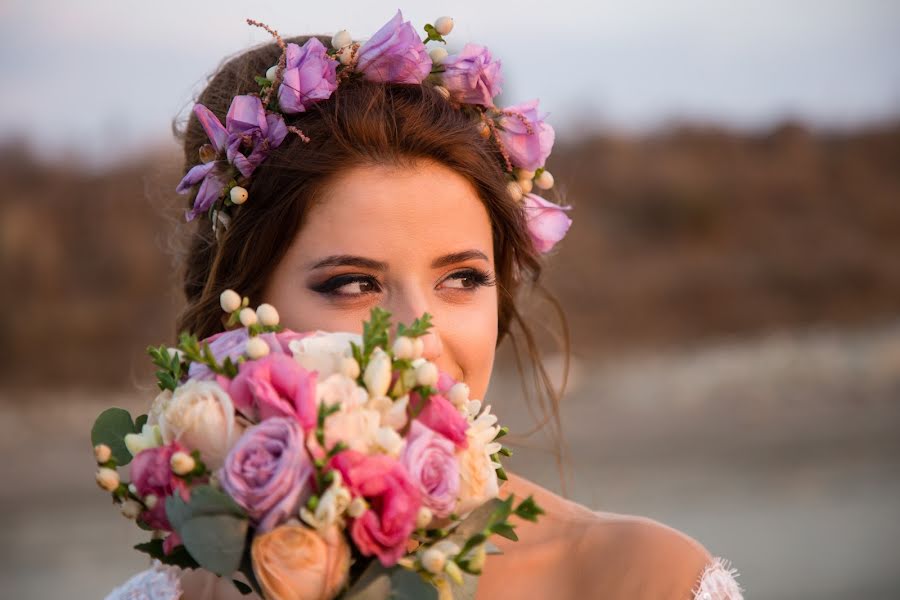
[732, 279]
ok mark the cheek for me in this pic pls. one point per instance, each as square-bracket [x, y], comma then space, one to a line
[471, 337]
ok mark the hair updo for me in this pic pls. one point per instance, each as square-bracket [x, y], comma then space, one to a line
[361, 123]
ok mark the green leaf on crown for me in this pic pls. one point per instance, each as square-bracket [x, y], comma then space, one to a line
[110, 428]
[179, 557]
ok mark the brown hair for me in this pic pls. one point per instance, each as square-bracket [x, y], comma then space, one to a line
[361, 123]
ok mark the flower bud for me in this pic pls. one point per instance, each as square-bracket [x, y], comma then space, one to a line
[443, 91]
[357, 507]
[150, 501]
[404, 348]
[107, 479]
[453, 572]
[476, 563]
[515, 190]
[257, 348]
[433, 561]
[349, 367]
[230, 301]
[418, 347]
[438, 55]
[131, 509]
[248, 317]
[378, 373]
[267, 315]
[102, 453]
[544, 180]
[458, 394]
[526, 184]
[182, 463]
[424, 517]
[238, 195]
[427, 374]
[341, 39]
[444, 25]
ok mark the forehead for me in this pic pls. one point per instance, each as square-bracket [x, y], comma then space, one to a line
[391, 212]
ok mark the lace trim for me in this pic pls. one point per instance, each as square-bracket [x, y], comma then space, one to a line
[159, 582]
[718, 582]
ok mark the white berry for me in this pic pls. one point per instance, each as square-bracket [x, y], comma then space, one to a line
[248, 317]
[433, 560]
[270, 73]
[444, 25]
[267, 315]
[526, 185]
[182, 463]
[427, 374]
[515, 190]
[404, 348]
[257, 348]
[238, 195]
[107, 479]
[230, 301]
[341, 39]
[459, 394]
[438, 55]
[544, 180]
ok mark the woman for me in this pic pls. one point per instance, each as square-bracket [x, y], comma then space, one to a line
[398, 193]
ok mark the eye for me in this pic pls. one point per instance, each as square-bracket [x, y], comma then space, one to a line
[348, 286]
[468, 279]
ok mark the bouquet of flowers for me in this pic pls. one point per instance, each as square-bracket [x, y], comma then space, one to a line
[311, 465]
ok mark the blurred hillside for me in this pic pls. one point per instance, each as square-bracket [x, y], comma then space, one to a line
[685, 236]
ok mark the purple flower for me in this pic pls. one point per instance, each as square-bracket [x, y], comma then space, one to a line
[471, 76]
[268, 472]
[232, 344]
[429, 459]
[309, 76]
[547, 222]
[394, 54]
[246, 138]
[526, 150]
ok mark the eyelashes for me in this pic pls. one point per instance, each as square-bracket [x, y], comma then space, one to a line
[354, 285]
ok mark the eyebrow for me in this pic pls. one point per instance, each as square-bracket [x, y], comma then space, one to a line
[349, 260]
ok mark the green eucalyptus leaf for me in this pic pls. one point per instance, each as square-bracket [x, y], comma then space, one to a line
[110, 428]
[373, 584]
[179, 557]
[140, 422]
[216, 541]
[409, 585]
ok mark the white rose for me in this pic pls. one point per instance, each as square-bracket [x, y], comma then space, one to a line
[200, 416]
[324, 352]
[341, 390]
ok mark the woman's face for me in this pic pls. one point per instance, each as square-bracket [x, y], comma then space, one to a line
[410, 240]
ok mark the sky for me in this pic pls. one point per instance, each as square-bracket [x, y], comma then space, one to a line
[103, 79]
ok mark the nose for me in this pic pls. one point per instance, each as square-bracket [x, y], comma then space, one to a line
[409, 306]
[433, 346]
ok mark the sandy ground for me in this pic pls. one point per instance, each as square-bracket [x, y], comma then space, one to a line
[781, 454]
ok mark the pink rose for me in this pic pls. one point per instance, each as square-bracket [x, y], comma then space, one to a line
[395, 54]
[309, 76]
[471, 76]
[441, 416]
[430, 460]
[385, 527]
[547, 222]
[526, 150]
[151, 473]
[275, 386]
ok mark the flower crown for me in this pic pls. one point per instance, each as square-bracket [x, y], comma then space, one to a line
[304, 75]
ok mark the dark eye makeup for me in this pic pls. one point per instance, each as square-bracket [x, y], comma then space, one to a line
[469, 280]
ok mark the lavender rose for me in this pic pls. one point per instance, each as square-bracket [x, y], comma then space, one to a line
[429, 459]
[233, 343]
[268, 472]
[526, 150]
[309, 76]
[471, 76]
[395, 54]
[547, 222]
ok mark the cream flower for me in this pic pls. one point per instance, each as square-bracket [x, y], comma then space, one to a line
[338, 389]
[477, 470]
[324, 352]
[200, 416]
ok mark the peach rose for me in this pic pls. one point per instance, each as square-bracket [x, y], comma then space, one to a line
[293, 562]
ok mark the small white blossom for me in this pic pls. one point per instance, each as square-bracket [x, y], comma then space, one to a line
[377, 376]
[107, 479]
[149, 437]
[248, 317]
[267, 315]
[182, 463]
[444, 25]
[238, 195]
[257, 348]
[332, 505]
